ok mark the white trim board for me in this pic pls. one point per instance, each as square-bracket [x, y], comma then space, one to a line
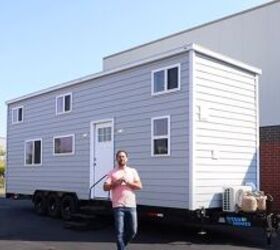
[166, 54]
[192, 110]
[258, 132]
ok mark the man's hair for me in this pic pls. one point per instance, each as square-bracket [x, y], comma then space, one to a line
[121, 151]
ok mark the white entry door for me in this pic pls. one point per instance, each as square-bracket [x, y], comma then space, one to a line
[103, 155]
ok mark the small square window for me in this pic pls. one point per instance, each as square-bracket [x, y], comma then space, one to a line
[105, 134]
[166, 80]
[64, 145]
[17, 115]
[64, 104]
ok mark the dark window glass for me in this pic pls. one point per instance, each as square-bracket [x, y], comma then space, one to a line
[67, 103]
[172, 78]
[63, 145]
[161, 146]
[20, 114]
[159, 81]
[37, 151]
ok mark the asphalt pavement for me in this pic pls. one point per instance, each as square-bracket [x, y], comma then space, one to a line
[22, 229]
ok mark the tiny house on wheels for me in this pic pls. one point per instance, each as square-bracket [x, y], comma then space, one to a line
[188, 118]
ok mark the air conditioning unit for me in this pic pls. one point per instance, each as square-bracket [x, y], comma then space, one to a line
[232, 197]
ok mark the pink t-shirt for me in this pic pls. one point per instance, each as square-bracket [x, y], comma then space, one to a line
[122, 195]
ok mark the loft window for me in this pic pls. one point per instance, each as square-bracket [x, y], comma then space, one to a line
[17, 115]
[64, 103]
[166, 80]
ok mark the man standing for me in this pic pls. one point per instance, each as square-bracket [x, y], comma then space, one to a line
[122, 181]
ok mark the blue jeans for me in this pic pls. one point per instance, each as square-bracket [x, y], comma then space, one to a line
[125, 225]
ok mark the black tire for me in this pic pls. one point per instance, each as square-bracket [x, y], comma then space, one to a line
[69, 206]
[40, 203]
[53, 205]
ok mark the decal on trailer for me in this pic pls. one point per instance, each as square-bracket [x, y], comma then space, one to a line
[238, 221]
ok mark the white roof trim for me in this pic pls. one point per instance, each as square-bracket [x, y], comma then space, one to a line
[226, 59]
[179, 50]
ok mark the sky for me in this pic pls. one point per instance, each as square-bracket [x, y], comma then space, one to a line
[47, 42]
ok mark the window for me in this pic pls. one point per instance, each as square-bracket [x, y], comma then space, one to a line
[64, 145]
[104, 134]
[166, 80]
[160, 136]
[33, 152]
[17, 115]
[64, 104]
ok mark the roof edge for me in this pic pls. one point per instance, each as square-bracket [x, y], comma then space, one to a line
[165, 54]
[193, 28]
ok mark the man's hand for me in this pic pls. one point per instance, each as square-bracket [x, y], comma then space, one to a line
[113, 184]
[136, 185]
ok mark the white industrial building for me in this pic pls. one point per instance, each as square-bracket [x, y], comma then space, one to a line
[252, 36]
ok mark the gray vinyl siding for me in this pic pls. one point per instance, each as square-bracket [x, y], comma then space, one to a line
[124, 96]
[230, 130]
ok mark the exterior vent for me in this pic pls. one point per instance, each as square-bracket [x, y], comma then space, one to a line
[232, 196]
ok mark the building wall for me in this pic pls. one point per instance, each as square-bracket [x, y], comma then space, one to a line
[252, 37]
[270, 162]
[126, 97]
[226, 130]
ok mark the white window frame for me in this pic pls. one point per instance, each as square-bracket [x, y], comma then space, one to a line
[17, 108]
[63, 136]
[161, 136]
[63, 103]
[33, 164]
[165, 69]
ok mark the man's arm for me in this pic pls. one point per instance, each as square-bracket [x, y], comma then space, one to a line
[136, 185]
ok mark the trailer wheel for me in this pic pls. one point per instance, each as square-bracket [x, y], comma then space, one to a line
[40, 203]
[69, 205]
[53, 205]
